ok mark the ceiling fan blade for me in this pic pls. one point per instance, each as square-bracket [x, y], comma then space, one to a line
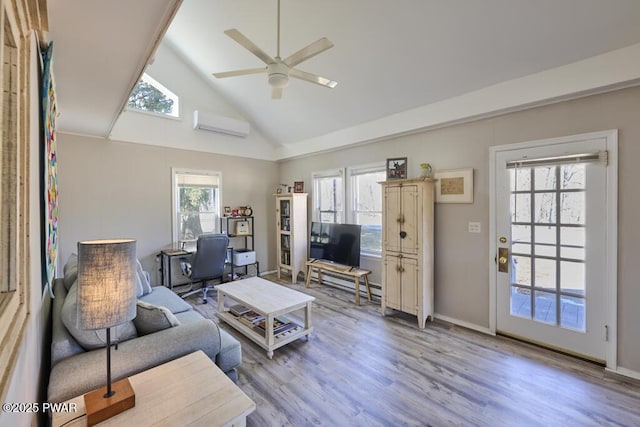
[276, 93]
[303, 75]
[249, 45]
[307, 52]
[240, 72]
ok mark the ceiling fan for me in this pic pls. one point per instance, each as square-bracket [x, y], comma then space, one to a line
[279, 70]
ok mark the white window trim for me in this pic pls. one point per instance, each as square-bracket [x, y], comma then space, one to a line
[154, 114]
[350, 195]
[327, 174]
[175, 228]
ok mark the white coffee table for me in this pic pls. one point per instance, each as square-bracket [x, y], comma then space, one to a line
[270, 300]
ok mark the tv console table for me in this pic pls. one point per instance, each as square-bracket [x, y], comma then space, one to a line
[355, 273]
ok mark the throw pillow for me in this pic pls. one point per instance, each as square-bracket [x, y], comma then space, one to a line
[90, 340]
[152, 318]
[70, 271]
[143, 284]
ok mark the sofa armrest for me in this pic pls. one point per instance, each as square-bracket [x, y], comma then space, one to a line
[84, 372]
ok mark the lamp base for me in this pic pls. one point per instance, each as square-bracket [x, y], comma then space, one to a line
[100, 408]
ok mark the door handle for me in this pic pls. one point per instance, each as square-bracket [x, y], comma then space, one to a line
[403, 234]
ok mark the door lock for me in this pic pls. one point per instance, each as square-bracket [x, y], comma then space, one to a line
[503, 260]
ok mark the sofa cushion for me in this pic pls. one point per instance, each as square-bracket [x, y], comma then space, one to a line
[143, 285]
[70, 271]
[91, 339]
[153, 318]
[63, 344]
[188, 316]
[166, 298]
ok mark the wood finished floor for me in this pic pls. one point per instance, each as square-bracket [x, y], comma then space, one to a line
[362, 369]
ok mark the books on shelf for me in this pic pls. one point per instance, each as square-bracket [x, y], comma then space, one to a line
[239, 310]
[251, 317]
[280, 325]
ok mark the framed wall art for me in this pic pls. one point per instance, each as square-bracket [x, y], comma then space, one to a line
[397, 168]
[49, 174]
[454, 185]
[298, 187]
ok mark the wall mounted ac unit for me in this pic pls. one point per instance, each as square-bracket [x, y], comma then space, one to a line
[220, 124]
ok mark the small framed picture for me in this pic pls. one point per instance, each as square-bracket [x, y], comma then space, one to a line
[454, 186]
[235, 212]
[227, 211]
[242, 228]
[298, 187]
[397, 168]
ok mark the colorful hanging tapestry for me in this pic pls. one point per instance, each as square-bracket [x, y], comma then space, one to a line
[50, 176]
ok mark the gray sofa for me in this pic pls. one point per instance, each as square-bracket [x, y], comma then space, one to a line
[78, 366]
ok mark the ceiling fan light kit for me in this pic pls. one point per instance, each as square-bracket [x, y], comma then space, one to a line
[278, 74]
[279, 70]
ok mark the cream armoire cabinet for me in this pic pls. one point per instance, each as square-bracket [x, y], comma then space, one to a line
[291, 235]
[407, 247]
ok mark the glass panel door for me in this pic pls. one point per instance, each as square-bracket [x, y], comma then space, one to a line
[548, 219]
[551, 240]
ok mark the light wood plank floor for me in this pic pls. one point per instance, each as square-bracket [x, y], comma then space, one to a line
[362, 369]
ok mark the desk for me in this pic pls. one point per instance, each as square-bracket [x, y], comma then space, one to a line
[166, 255]
[190, 390]
[344, 270]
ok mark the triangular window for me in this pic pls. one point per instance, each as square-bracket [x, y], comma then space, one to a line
[150, 96]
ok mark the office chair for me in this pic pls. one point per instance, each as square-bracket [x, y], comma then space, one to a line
[207, 263]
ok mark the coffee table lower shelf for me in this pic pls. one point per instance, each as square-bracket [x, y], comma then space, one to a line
[269, 300]
[262, 340]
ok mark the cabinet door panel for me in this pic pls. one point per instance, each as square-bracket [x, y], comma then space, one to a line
[392, 282]
[392, 219]
[410, 217]
[409, 291]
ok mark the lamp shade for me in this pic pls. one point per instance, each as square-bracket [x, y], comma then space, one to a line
[106, 283]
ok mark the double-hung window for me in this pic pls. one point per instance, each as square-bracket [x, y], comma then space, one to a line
[196, 207]
[366, 205]
[328, 196]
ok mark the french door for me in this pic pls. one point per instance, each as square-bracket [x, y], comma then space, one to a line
[552, 242]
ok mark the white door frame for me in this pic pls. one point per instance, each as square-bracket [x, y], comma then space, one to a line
[611, 303]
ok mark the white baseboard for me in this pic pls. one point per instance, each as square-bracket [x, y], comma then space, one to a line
[264, 273]
[625, 372]
[464, 324]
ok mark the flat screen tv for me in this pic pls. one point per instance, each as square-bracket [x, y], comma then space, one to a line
[339, 243]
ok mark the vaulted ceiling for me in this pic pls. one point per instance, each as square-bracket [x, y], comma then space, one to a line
[400, 66]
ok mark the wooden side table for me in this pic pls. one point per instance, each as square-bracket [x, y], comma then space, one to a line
[188, 390]
[355, 273]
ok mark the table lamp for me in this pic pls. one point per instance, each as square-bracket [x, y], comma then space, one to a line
[107, 298]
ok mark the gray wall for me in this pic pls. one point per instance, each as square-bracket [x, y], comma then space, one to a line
[462, 260]
[110, 188]
[118, 189]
